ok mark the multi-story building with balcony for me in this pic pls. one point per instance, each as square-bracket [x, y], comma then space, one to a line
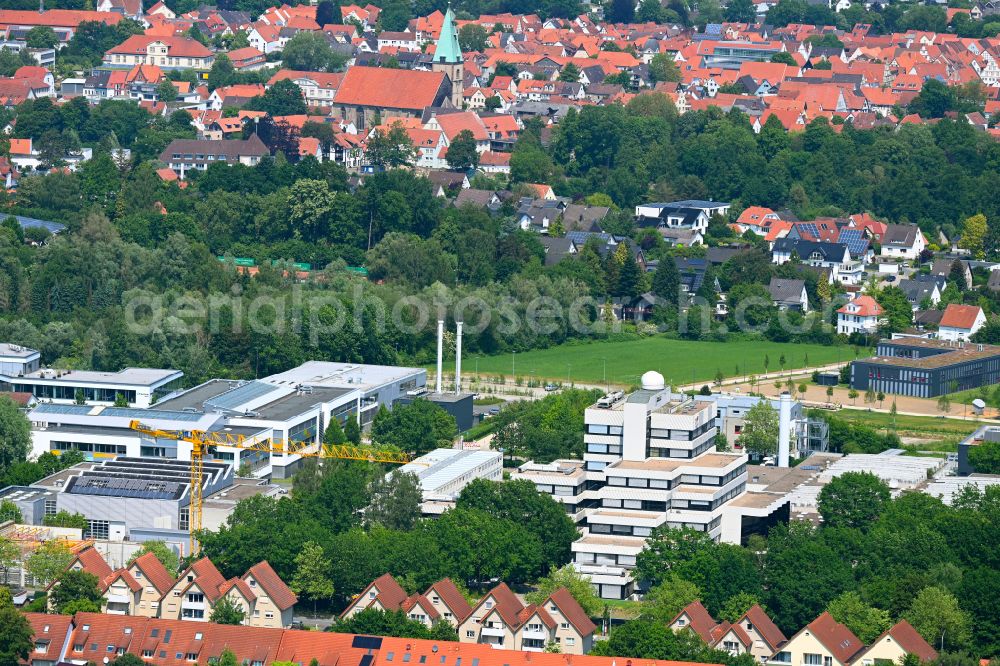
[650, 461]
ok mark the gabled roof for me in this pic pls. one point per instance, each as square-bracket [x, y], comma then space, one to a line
[867, 307]
[835, 637]
[153, 570]
[390, 594]
[786, 290]
[764, 626]
[423, 602]
[50, 630]
[907, 638]
[92, 562]
[506, 604]
[124, 576]
[240, 585]
[699, 620]
[389, 88]
[272, 584]
[206, 577]
[448, 591]
[961, 316]
[572, 611]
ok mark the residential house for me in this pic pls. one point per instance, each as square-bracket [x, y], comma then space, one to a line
[835, 256]
[861, 315]
[960, 322]
[264, 599]
[448, 601]
[25, 155]
[166, 52]
[318, 88]
[128, 8]
[903, 241]
[557, 248]
[502, 621]
[481, 199]
[247, 59]
[274, 602]
[49, 636]
[155, 580]
[383, 593]
[753, 632]
[689, 214]
[824, 641]
[183, 155]
[894, 645]
[789, 294]
[943, 268]
[917, 291]
[578, 217]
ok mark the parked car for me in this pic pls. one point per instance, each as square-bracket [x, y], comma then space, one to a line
[494, 410]
[551, 387]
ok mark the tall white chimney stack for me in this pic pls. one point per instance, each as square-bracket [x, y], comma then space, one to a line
[784, 428]
[440, 353]
[458, 359]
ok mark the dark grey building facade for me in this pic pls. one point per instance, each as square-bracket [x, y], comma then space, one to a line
[926, 368]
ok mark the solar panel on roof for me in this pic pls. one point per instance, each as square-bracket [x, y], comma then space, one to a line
[151, 414]
[367, 642]
[240, 395]
[49, 408]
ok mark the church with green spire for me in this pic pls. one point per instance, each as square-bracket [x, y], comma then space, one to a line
[448, 57]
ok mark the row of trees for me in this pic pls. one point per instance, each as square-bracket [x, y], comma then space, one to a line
[345, 524]
[872, 561]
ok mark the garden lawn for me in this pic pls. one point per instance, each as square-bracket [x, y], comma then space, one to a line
[622, 362]
[936, 433]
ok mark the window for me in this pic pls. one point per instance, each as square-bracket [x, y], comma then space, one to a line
[570, 641]
[195, 598]
[470, 634]
[192, 656]
[98, 529]
[812, 659]
[406, 657]
[268, 616]
[148, 654]
[389, 656]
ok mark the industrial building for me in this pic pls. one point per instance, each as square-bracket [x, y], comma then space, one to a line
[443, 473]
[651, 461]
[926, 368]
[21, 372]
[295, 405]
[136, 499]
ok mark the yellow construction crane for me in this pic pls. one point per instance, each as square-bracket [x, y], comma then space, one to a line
[201, 440]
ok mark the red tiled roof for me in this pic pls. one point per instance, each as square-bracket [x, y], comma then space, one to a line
[572, 611]
[414, 599]
[907, 637]
[506, 603]
[835, 637]
[21, 398]
[206, 577]
[92, 562]
[699, 620]
[183, 47]
[389, 88]
[868, 307]
[57, 18]
[272, 584]
[50, 630]
[151, 567]
[452, 598]
[123, 574]
[960, 316]
[390, 594]
[764, 626]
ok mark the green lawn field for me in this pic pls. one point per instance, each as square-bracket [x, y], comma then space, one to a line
[622, 362]
[934, 433]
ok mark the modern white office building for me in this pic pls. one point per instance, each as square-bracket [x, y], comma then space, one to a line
[650, 461]
[21, 371]
[296, 405]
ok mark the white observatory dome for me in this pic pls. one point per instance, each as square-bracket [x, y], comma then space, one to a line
[653, 381]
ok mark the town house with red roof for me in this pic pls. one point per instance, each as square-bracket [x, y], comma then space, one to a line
[753, 632]
[859, 316]
[165, 52]
[441, 602]
[502, 621]
[822, 642]
[960, 322]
